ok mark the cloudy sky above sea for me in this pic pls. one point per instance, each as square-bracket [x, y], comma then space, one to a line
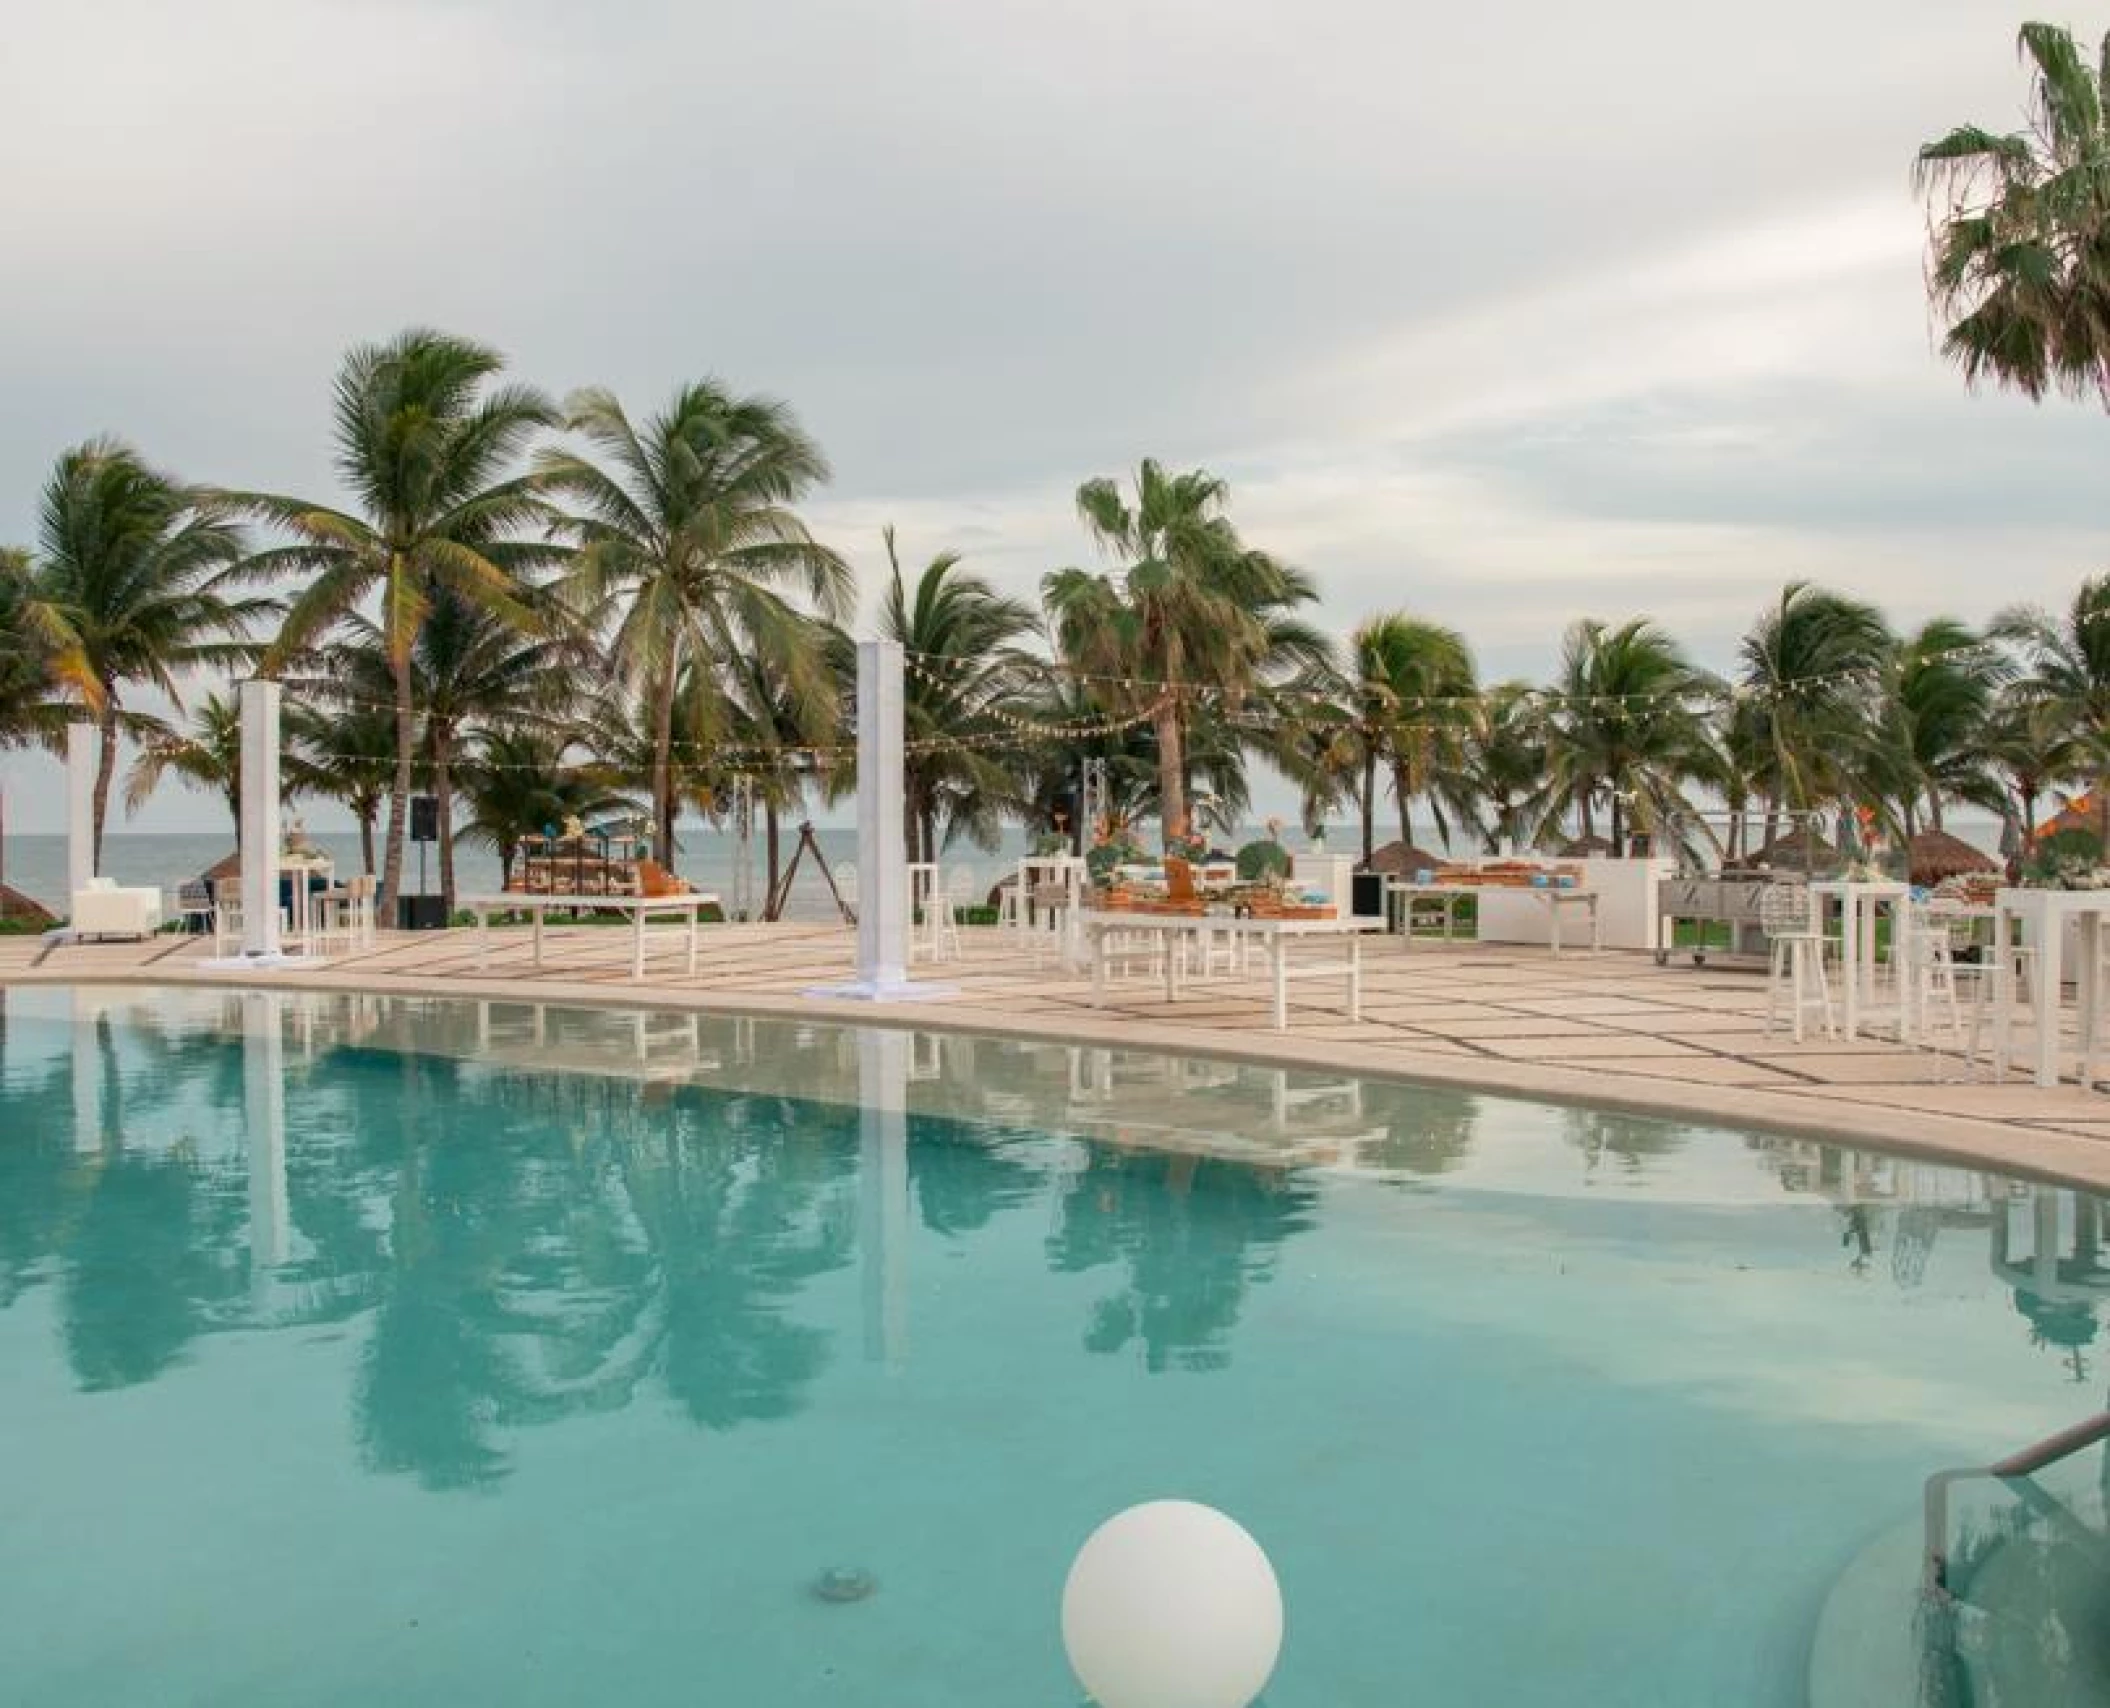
[1507, 315]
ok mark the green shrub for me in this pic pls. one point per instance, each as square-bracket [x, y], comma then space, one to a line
[1264, 859]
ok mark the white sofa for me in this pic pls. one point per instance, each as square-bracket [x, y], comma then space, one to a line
[105, 910]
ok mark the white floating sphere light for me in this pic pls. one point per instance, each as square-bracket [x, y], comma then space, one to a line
[1172, 1605]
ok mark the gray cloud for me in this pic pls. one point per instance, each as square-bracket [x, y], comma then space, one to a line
[1510, 313]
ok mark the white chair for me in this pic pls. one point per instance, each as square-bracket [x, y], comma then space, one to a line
[1787, 915]
[361, 894]
[2004, 981]
[1011, 898]
[191, 904]
[226, 918]
[1928, 938]
[345, 917]
[941, 912]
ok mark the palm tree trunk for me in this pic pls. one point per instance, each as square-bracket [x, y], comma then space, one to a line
[1369, 803]
[1934, 809]
[443, 795]
[663, 772]
[1172, 768]
[367, 814]
[105, 769]
[398, 793]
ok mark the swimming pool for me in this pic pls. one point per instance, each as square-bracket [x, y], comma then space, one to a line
[360, 1349]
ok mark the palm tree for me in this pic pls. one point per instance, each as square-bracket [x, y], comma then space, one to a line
[780, 728]
[346, 753]
[686, 539]
[27, 684]
[1505, 760]
[1400, 706]
[2027, 751]
[518, 784]
[425, 436]
[208, 755]
[1627, 727]
[961, 636]
[2066, 680]
[1944, 679]
[1192, 610]
[2019, 230]
[1812, 669]
[469, 670]
[131, 584]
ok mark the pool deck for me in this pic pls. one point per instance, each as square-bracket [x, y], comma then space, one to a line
[1610, 1028]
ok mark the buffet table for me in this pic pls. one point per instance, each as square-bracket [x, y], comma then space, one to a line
[639, 908]
[1174, 933]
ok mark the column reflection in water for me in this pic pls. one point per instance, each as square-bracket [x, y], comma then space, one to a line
[882, 1095]
[89, 1051]
[264, 1114]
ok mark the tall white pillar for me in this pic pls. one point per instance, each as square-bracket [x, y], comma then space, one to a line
[259, 830]
[81, 756]
[882, 852]
[883, 1190]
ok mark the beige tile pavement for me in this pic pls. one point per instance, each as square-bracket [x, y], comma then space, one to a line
[1612, 1029]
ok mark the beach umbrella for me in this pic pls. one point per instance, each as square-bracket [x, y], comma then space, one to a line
[1398, 860]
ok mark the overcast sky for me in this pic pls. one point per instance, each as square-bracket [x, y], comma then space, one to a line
[1505, 314]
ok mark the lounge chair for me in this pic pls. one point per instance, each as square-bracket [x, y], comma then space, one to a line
[105, 910]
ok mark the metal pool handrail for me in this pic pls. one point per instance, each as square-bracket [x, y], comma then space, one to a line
[2025, 1463]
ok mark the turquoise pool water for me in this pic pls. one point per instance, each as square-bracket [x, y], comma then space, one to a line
[363, 1351]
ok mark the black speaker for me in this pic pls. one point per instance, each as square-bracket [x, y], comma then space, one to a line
[1367, 894]
[424, 818]
[421, 913]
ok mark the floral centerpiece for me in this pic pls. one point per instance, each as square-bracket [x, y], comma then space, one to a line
[1186, 845]
[1109, 853]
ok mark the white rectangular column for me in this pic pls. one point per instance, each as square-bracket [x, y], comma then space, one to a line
[260, 701]
[264, 1110]
[883, 1191]
[882, 853]
[80, 807]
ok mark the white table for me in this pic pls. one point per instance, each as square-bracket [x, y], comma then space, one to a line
[2043, 915]
[639, 908]
[1556, 899]
[1275, 937]
[1402, 893]
[297, 873]
[1859, 902]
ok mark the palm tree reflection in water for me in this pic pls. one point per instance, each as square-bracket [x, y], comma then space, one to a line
[1194, 1233]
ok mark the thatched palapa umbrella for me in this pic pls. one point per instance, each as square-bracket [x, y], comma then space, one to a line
[1398, 860]
[1936, 855]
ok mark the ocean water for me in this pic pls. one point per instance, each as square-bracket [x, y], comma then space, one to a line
[37, 864]
[362, 1350]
